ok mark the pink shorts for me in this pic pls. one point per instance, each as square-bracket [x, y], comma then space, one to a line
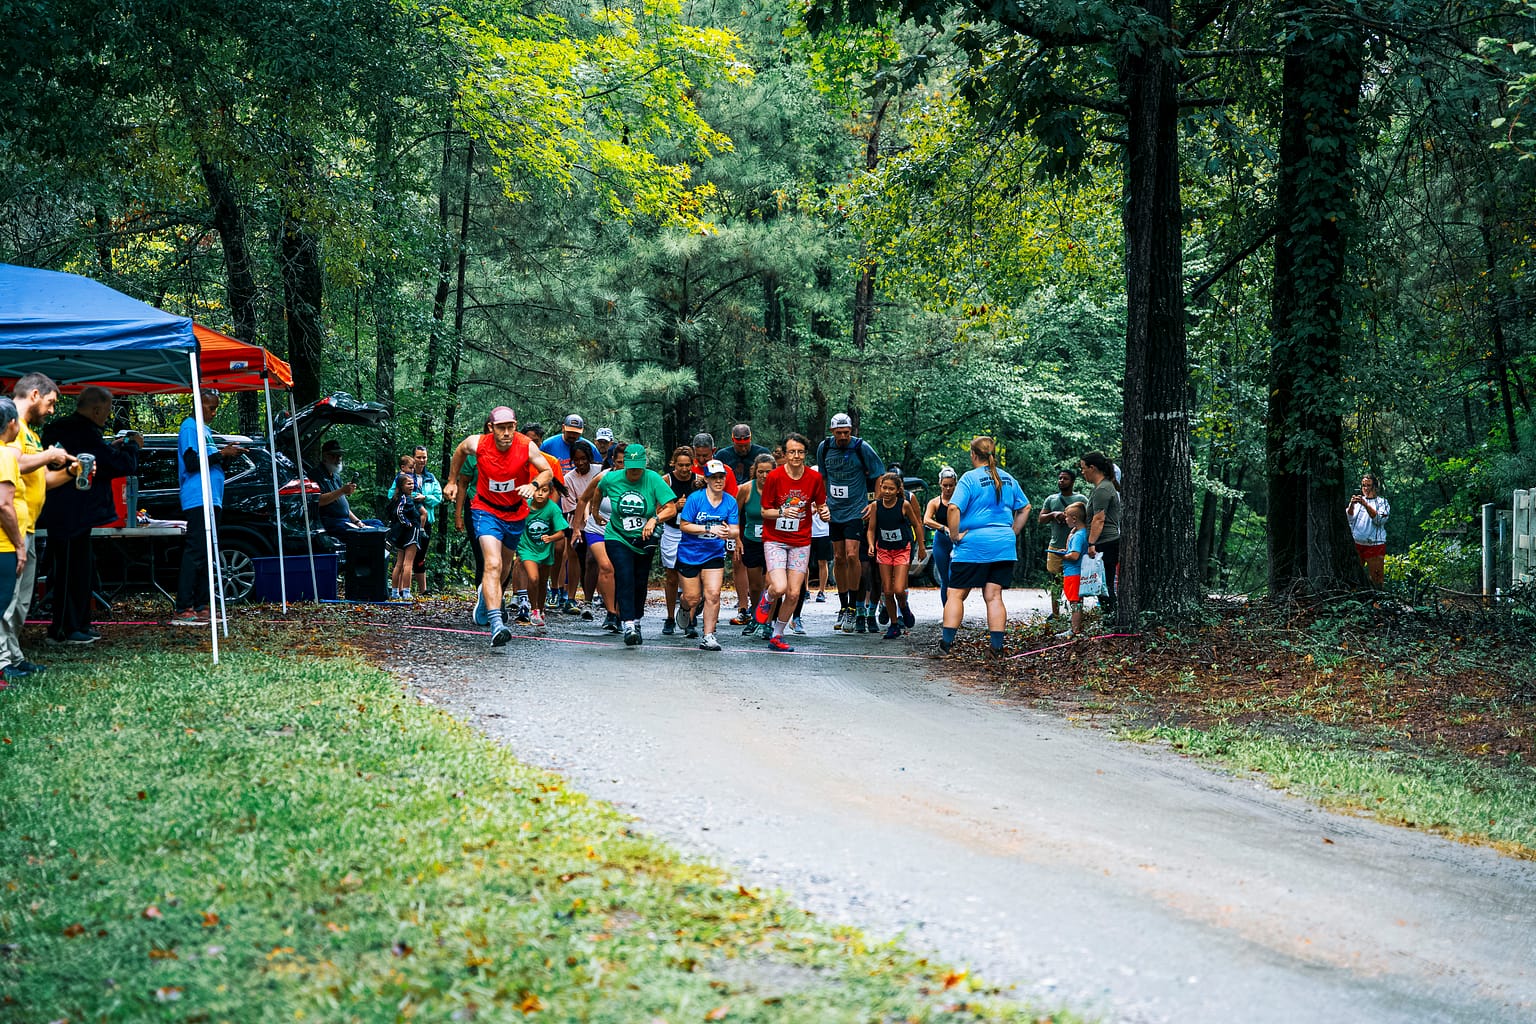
[790, 557]
[894, 556]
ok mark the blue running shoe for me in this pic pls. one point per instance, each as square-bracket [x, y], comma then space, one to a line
[482, 615]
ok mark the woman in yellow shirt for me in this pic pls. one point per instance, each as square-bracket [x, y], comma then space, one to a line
[13, 541]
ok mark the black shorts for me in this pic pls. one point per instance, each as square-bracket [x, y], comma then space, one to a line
[821, 549]
[692, 571]
[752, 554]
[970, 575]
[854, 529]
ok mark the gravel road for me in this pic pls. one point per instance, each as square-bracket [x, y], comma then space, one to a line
[1121, 880]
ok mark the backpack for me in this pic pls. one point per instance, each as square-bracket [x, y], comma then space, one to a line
[857, 443]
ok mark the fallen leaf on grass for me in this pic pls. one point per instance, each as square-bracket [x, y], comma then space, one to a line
[156, 953]
[169, 994]
[718, 1013]
[1327, 840]
[74, 931]
[210, 919]
[401, 949]
[152, 913]
[954, 978]
[530, 1004]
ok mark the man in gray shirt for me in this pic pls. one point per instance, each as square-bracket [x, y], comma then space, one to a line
[1103, 520]
[849, 466]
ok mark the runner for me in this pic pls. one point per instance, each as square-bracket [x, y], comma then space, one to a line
[738, 458]
[892, 530]
[749, 499]
[850, 467]
[936, 518]
[603, 441]
[683, 481]
[508, 470]
[985, 518]
[821, 556]
[562, 448]
[590, 522]
[789, 496]
[1053, 512]
[709, 518]
[577, 480]
[641, 502]
[536, 547]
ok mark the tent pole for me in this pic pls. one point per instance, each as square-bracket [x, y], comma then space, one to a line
[277, 498]
[309, 537]
[202, 465]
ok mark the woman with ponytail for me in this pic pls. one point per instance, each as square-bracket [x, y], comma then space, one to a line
[985, 516]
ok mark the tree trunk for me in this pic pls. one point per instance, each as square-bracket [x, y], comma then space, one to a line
[1496, 333]
[451, 405]
[1223, 573]
[444, 281]
[382, 294]
[1158, 530]
[1310, 543]
[240, 280]
[303, 280]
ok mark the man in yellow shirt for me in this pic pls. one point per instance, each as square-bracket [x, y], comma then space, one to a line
[35, 397]
[13, 539]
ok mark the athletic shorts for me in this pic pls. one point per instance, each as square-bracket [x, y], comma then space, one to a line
[971, 575]
[593, 539]
[1054, 564]
[789, 557]
[691, 571]
[752, 554]
[489, 524]
[854, 529]
[894, 556]
[1071, 588]
[671, 537]
[1370, 551]
[821, 549]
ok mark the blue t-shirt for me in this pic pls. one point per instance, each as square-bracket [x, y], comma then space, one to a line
[557, 448]
[848, 472]
[191, 486]
[696, 549]
[986, 518]
[1077, 542]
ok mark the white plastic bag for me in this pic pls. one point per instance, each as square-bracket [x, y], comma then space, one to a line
[1092, 582]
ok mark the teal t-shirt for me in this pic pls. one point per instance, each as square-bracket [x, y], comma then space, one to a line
[540, 524]
[633, 504]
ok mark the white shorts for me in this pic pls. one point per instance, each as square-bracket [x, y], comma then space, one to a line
[790, 557]
[671, 537]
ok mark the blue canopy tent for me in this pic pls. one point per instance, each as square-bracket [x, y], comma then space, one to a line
[75, 329]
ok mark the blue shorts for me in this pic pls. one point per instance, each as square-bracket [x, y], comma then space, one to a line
[489, 524]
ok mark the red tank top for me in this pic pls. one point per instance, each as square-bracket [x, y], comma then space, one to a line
[499, 474]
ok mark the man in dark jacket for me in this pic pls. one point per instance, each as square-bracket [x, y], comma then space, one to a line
[71, 513]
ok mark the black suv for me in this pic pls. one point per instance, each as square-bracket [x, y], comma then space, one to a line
[247, 527]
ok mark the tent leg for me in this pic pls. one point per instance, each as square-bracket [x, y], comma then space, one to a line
[277, 498]
[309, 537]
[209, 548]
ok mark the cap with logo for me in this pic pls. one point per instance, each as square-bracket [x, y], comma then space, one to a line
[573, 420]
[604, 434]
[634, 457]
[741, 432]
[703, 440]
[502, 414]
[842, 419]
[714, 467]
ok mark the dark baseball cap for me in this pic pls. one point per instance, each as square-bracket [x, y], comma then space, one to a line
[574, 420]
[741, 432]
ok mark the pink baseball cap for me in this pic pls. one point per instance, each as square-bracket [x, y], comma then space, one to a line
[502, 414]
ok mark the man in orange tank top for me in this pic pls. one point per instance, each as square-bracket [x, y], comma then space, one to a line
[508, 470]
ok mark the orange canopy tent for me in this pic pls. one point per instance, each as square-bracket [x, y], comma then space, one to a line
[223, 363]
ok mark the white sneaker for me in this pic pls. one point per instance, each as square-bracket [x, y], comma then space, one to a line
[709, 643]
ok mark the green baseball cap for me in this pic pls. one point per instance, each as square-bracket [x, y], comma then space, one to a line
[634, 456]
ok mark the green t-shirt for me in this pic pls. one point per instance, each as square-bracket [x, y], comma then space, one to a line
[1060, 529]
[540, 523]
[1107, 500]
[633, 504]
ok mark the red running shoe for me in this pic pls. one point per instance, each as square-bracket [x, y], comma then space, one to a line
[761, 614]
[778, 643]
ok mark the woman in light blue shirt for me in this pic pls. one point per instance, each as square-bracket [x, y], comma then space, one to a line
[985, 516]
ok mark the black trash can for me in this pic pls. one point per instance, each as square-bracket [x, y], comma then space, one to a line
[367, 575]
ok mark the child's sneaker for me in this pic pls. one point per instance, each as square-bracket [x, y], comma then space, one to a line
[668, 627]
[778, 643]
[537, 618]
[761, 612]
[524, 615]
[795, 626]
[893, 632]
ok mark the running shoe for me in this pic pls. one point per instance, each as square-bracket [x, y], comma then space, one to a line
[778, 643]
[552, 602]
[821, 598]
[1067, 635]
[570, 607]
[692, 632]
[749, 629]
[611, 622]
[709, 643]
[538, 619]
[741, 618]
[482, 614]
[882, 616]
[188, 617]
[893, 632]
[844, 620]
[795, 627]
[908, 619]
[765, 631]
[861, 624]
[632, 637]
[524, 615]
[668, 627]
[945, 646]
[501, 637]
[29, 668]
[586, 613]
[761, 614]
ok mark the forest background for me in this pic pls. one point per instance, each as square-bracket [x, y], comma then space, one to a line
[1250, 250]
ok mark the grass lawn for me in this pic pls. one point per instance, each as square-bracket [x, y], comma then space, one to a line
[291, 837]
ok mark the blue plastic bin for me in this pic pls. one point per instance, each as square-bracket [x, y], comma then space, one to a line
[268, 585]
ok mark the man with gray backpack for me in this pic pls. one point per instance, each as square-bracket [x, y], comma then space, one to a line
[850, 467]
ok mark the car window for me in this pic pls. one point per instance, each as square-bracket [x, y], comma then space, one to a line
[157, 469]
[237, 466]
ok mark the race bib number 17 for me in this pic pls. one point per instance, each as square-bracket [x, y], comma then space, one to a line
[501, 486]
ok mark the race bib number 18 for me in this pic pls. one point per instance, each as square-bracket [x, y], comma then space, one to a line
[633, 524]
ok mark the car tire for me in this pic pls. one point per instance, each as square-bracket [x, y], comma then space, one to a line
[237, 556]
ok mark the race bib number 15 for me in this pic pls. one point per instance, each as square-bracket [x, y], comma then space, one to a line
[838, 490]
